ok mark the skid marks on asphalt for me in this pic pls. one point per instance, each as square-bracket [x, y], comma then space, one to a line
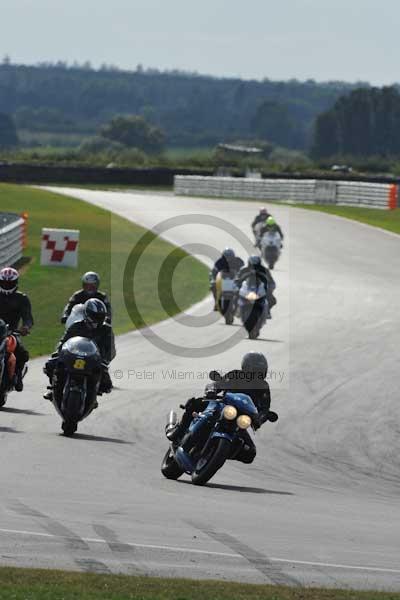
[72, 542]
[258, 560]
[118, 548]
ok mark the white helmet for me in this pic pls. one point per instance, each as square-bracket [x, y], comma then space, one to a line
[8, 280]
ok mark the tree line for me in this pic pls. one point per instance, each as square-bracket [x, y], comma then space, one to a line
[192, 110]
[364, 123]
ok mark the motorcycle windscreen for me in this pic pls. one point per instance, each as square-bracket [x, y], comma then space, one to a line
[81, 346]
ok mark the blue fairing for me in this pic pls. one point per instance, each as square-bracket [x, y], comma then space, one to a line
[242, 402]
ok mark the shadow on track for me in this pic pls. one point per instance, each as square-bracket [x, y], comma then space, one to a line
[239, 488]
[99, 438]
[9, 430]
[22, 411]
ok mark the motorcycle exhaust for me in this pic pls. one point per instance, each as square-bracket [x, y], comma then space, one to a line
[172, 419]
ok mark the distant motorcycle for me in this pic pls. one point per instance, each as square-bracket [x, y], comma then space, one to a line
[220, 438]
[253, 307]
[76, 381]
[271, 244]
[226, 295]
[8, 365]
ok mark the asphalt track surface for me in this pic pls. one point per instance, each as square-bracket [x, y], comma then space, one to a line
[320, 504]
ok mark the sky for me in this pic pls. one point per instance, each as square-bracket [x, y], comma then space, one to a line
[349, 40]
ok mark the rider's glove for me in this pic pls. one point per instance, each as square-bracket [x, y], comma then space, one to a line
[211, 391]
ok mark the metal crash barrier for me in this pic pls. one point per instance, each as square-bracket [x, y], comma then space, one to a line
[304, 191]
[12, 238]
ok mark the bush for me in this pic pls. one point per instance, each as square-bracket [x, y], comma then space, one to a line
[100, 145]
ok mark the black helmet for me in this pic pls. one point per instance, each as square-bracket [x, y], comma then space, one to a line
[94, 312]
[228, 253]
[256, 363]
[90, 282]
[254, 261]
[3, 330]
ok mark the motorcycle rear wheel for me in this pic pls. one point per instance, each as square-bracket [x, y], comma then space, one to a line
[219, 454]
[169, 467]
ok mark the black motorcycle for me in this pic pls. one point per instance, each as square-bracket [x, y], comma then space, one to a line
[76, 381]
[215, 435]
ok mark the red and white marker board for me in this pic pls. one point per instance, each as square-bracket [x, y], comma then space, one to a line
[59, 247]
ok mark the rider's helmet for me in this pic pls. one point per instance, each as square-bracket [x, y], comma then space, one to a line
[8, 280]
[270, 221]
[3, 330]
[94, 312]
[263, 211]
[90, 282]
[254, 261]
[255, 363]
[228, 253]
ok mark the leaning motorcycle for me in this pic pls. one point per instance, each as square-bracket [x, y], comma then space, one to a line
[8, 366]
[217, 438]
[226, 295]
[76, 380]
[271, 244]
[253, 307]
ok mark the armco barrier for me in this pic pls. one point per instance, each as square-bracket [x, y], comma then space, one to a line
[312, 191]
[11, 238]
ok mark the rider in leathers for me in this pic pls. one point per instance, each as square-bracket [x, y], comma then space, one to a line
[255, 269]
[90, 289]
[249, 380]
[94, 327]
[229, 262]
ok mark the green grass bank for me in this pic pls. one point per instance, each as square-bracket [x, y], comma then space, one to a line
[106, 241]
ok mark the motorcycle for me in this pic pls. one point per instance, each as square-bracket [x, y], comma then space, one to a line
[253, 307]
[271, 244]
[76, 381]
[225, 295]
[8, 365]
[217, 438]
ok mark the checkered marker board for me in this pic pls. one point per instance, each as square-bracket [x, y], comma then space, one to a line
[59, 247]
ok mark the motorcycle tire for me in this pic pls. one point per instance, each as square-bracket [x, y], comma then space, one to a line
[220, 451]
[229, 318]
[69, 428]
[3, 398]
[169, 467]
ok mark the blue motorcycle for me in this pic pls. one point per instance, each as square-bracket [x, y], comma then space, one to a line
[213, 437]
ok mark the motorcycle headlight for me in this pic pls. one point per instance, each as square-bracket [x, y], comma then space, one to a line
[243, 422]
[252, 297]
[229, 412]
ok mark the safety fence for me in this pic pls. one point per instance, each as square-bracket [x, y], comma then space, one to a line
[306, 191]
[12, 238]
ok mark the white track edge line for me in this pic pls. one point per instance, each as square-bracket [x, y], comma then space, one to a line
[209, 552]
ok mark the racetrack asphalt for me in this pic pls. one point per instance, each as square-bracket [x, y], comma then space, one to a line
[319, 505]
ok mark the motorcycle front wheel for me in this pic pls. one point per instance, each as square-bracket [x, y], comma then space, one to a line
[208, 465]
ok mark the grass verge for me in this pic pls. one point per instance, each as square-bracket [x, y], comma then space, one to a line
[385, 219]
[106, 242]
[35, 584]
